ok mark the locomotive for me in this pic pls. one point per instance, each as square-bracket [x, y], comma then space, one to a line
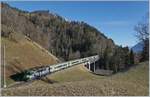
[37, 73]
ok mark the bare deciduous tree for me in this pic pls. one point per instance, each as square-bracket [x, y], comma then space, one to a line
[142, 29]
[142, 33]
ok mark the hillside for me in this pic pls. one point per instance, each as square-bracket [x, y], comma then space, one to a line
[65, 39]
[133, 82]
[21, 53]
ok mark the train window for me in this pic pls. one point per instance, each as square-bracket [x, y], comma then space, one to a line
[58, 66]
[83, 59]
[75, 62]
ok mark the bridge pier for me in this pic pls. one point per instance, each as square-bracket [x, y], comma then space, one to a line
[89, 66]
[94, 67]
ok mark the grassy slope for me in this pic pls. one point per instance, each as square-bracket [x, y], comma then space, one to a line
[76, 73]
[77, 81]
[22, 55]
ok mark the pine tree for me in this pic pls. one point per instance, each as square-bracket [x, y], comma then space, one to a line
[145, 52]
[107, 58]
[126, 57]
[131, 57]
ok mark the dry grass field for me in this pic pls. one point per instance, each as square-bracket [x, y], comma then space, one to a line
[78, 81]
[23, 54]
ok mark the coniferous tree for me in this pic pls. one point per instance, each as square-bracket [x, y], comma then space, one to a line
[126, 56]
[131, 57]
[114, 61]
[145, 52]
[107, 58]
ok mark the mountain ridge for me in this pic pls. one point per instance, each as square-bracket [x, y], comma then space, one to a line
[66, 40]
[138, 47]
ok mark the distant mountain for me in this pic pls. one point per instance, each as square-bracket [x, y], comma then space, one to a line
[138, 47]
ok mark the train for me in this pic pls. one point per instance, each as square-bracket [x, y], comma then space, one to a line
[39, 72]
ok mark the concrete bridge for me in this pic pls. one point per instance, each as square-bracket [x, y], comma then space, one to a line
[43, 71]
[86, 61]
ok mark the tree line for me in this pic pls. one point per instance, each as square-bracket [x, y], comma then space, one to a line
[120, 59]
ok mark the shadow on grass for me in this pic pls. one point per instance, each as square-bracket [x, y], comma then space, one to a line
[49, 81]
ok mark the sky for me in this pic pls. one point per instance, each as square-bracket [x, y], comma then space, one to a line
[116, 19]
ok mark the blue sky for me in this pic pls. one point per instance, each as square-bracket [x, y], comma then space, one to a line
[116, 19]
